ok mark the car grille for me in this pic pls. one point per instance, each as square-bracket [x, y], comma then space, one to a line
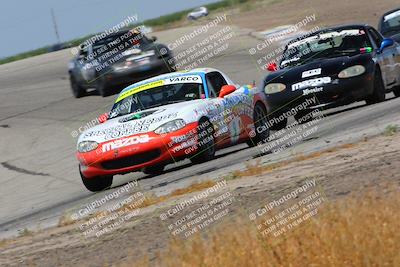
[130, 161]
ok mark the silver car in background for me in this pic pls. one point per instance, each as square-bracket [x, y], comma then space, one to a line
[198, 13]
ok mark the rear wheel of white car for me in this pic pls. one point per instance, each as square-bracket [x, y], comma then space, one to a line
[262, 130]
[154, 170]
[206, 142]
[96, 184]
[379, 93]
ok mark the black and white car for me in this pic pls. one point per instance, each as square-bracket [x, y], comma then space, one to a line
[338, 66]
[117, 60]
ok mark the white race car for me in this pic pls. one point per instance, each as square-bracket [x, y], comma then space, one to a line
[198, 13]
[168, 118]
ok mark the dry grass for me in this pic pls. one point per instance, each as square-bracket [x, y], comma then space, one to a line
[151, 199]
[355, 231]
[25, 232]
[66, 219]
[148, 200]
[4, 242]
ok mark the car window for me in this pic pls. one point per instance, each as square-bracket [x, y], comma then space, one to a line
[326, 44]
[390, 23]
[215, 81]
[376, 37]
[157, 96]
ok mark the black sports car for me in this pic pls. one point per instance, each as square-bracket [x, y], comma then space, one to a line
[113, 61]
[338, 65]
[389, 25]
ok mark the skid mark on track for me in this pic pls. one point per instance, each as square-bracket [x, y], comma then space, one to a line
[21, 170]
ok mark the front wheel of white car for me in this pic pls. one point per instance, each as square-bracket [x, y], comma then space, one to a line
[261, 126]
[96, 184]
[154, 170]
[206, 142]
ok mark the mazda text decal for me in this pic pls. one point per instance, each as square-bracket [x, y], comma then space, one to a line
[311, 83]
[134, 140]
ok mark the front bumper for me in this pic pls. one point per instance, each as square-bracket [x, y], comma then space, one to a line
[339, 92]
[160, 149]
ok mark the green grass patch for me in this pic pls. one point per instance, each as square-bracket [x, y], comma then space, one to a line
[391, 130]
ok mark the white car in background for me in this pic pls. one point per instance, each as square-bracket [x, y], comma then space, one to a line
[198, 13]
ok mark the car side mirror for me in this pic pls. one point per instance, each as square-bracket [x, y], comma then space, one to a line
[272, 67]
[387, 42]
[103, 117]
[226, 90]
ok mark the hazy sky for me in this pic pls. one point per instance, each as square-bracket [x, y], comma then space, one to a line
[27, 24]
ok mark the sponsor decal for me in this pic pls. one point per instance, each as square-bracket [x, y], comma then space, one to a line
[184, 79]
[159, 83]
[311, 83]
[139, 88]
[136, 116]
[313, 90]
[134, 140]
[130, 128]
[310, 73]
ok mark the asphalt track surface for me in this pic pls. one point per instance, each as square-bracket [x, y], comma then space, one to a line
[39, 177]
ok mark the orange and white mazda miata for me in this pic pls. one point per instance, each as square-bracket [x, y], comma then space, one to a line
[168, 118]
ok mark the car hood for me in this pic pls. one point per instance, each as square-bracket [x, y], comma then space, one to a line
[329, 67]
[141, 122]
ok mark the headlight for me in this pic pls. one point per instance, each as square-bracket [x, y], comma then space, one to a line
[170, 126]
[352, 71]
[273, 88]
[87, 146]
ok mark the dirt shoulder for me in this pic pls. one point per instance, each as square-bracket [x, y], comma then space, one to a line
[268, 14]
[337, 172]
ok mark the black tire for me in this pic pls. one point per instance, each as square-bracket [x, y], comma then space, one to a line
[379, 93]
[206, 149]
[396, 91]
[154, 170]
[262, 130]
[102, 87]
[96, 184]
[77, 90]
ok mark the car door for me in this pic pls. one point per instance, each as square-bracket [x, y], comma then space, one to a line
[85, 66]
[221, 118]
[386, 58]
[232, 107]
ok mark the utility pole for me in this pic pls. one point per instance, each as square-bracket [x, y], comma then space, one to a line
[55, 25]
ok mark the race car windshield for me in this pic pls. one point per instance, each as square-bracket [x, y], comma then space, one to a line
[128, 39]
[325, 45]
[156, 97]
[391, 23]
